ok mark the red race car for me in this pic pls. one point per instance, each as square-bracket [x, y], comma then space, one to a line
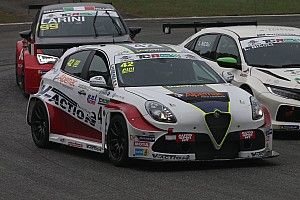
[59, 27]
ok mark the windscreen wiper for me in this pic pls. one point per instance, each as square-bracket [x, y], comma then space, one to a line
[116, 25]
[265, 66]
[291, 65]
[94, 22]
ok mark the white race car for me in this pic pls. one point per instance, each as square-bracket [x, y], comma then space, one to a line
[147, 101]
[264, 60]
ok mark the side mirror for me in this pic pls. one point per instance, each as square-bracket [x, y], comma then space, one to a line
[26, 34]
[228, 76]
[98, 81]
[133, 31]
[227, 62]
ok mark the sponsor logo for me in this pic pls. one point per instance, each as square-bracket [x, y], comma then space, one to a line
[150, 138]
[141, 152]
[171, 157]
[289, 127]
[258, 154]
[246, 135]
[93, 148]
[103, 101]
[67, 104]
[91, 99]
[141, 144]
[185, 137]
[75, 144]
[66, 80]
[205, 94]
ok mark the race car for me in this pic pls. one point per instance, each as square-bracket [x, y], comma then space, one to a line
[147, 101]
[59, 27]
[264, 60]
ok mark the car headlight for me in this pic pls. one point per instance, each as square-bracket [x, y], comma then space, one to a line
[257, 111]
[46, 59]
[283, 92]
[159, 112]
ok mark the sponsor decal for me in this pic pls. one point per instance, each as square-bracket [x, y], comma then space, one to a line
[150, 138]
[141, 144]
[75, 144]
[127, 67]
[70, 106]
[170, 157]
[258, 154]
[93, 148]
[246, 135]
[289, 127]
[185, 137]
[103, 101]
[69, 19]
[91, 99]
[141, 152]
[66, 80]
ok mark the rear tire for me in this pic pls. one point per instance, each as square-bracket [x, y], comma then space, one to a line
[22, 85]
[117, 141]
[40, 125]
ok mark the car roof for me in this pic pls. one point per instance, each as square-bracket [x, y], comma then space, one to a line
[260, 31]
[61, 6]
[136, 48]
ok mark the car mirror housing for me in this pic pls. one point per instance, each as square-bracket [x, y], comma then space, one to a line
[26, 34]
[133, 31]
[228, 76]
[227, 62]
[98, 81]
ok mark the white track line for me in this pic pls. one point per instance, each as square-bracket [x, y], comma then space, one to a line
[177, 18]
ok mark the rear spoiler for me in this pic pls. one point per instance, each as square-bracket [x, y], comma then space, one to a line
[168, 26]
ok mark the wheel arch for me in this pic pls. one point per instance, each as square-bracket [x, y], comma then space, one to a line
[247, 88]
[31, 103]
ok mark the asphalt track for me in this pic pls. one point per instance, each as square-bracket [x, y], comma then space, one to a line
[27, 172]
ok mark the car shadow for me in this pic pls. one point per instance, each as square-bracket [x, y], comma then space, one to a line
[157, 166]
[287, 135]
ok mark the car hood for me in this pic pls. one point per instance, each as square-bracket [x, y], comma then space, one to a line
[77, 41]
[191, 102]
[288, 77]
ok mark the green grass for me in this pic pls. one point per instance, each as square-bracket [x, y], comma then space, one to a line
[185, 8]
[6, 17]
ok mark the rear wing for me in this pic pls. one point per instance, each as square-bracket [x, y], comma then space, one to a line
[169, 26]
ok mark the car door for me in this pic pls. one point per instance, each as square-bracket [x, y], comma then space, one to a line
[71, 119]
[205, 46]
[227, 47]
[94, 99]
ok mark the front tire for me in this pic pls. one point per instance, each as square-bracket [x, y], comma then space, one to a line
[117, 141]
[40, 125]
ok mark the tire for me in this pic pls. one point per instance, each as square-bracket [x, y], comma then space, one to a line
[40, 125]
[117, 141]
[17, 77]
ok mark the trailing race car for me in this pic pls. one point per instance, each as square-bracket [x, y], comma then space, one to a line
[147, 101]
[59, 27]
[264, 60]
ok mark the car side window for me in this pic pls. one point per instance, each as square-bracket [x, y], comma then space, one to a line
[204, 45]
[75, 63]
[98, 67]
[227, 48]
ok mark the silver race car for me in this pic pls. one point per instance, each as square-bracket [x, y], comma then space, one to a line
[147, 101]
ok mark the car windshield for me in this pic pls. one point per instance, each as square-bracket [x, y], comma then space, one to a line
[272, 52]
[80, 22]
[164, 69]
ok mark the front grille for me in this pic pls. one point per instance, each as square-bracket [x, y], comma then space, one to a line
[288, 114]
[218, 124]
[204, 149]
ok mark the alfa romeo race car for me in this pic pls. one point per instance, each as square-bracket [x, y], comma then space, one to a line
[59, 27]
[264, 60]
[147, 101]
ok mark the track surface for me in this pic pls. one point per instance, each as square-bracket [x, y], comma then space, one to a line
[27, 172]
